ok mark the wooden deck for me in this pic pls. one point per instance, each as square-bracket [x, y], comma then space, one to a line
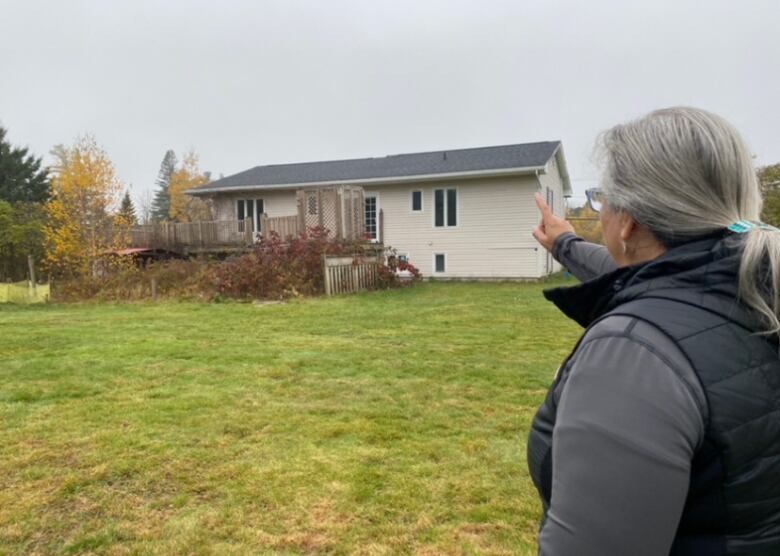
[213, 236]
[338, 209]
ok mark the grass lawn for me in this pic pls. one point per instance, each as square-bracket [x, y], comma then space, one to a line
[383, 423]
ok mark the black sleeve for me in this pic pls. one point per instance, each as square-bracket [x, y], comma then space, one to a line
[584, 260]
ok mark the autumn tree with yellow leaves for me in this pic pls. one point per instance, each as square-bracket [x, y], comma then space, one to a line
[84, 191]
[769, 179]
[186, 208]
[586, 223]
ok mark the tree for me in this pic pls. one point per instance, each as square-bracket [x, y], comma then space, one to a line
[127, 210]
[769, 179]
[186, 208]
[21, 178]
[161, 206]
[21, 234]
[144, 202]
[586, 223]
[85, 188]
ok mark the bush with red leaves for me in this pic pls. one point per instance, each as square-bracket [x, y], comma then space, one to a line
[276, 268]
[397, 272]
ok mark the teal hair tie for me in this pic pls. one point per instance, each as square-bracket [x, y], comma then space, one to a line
[742, 226]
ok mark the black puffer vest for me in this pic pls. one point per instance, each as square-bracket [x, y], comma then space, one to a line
[689, 293]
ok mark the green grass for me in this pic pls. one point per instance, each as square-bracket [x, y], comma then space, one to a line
[383, 423]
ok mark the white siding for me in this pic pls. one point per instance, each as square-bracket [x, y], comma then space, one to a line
[493, 236]
[551, 179]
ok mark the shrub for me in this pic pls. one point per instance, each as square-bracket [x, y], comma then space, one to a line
[397, 272]
[178, 279]
[278, 269]
[273, 269]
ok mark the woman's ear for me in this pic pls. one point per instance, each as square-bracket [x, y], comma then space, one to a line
[627, 226]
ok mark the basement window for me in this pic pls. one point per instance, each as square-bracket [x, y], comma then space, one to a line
[440, 262]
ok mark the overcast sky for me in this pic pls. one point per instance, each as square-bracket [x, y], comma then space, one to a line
[246, 83]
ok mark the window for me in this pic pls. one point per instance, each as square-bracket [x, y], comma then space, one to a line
[452, 207]
[550, 198]
[372, 218]
[311, 203]
[445, 207]
[440, 262]
[252, 209]
[398, 258]
[417, 201]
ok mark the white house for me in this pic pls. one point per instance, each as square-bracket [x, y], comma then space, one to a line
[465, 213]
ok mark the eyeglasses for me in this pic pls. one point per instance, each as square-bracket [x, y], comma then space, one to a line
[595, 198]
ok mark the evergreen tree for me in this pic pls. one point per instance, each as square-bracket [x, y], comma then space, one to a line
[21, 234]
[21, 178]
[161, 205]
[127, 210]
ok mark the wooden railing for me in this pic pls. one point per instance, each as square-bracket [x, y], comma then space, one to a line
[178, 235]
[350, 274]
[214, 235]
[285, 226]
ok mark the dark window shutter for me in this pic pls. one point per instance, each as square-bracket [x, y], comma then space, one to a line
[240, 209]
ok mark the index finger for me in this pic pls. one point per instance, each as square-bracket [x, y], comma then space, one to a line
[544, 208]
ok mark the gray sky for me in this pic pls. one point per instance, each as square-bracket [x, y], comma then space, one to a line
[266, 82]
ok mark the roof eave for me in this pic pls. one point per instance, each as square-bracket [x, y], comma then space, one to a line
[563, 169]
[372, 181]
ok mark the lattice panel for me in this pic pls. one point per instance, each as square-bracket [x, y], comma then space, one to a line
[312, 209]
[354, 217]
[311, 205]
[341, 210]
[329, 207]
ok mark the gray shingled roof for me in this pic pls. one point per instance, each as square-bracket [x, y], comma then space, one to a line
[527, 155]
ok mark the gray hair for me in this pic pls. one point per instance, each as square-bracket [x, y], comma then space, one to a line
[685, 173]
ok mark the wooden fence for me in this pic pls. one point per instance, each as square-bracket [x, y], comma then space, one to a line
[350, 274]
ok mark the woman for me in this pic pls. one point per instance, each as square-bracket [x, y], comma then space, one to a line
[661, 431]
